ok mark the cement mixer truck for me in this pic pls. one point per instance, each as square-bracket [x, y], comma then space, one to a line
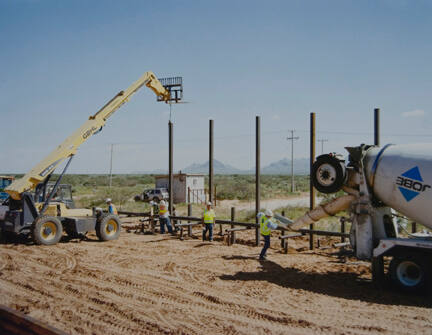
[380, 185]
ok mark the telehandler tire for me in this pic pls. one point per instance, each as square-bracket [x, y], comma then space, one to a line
[46, 230]
[108, 227]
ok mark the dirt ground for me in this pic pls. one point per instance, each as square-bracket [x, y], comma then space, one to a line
[150, 284]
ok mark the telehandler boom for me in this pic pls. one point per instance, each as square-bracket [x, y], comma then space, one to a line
[25, 212]
[92, 126]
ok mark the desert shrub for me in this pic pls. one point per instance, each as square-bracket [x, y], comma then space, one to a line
[242, 187]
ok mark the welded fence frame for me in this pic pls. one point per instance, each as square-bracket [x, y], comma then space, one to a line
[234, 226]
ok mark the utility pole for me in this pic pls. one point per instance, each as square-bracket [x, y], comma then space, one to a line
[322, 144]
[111, 161]
[292, 139]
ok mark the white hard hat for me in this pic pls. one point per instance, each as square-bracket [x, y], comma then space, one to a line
[268, 213]
[209, 203]
[108, 200]
[163, 202]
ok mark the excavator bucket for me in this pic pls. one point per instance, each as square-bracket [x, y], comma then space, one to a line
[174, 85]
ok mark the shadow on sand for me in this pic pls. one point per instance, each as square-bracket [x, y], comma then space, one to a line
[338, 284]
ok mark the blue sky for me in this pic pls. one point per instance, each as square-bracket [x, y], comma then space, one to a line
[60, 61]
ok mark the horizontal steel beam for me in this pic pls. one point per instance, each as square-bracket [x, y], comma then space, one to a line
[323, 232]
[187, 224]
[283, 237]
[237, 229]
[134, 213]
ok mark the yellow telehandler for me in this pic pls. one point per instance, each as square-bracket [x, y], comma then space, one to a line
[37, 213]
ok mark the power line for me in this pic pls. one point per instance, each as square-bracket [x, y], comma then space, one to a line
[322, 144]
[111, 163]
[292, 139]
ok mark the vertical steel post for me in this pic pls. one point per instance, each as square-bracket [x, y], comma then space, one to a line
[170, 167]
[189, 213]
[342, 221]
[211, 147]
[377, 126]
[257, 176]
[311, 188]
[215, 198]
[283, 233]
[233, 238]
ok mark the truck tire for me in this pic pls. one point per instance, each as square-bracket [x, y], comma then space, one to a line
[108, 227]
[410, 273]
[137, 198]
[46, 230]
[3, 239]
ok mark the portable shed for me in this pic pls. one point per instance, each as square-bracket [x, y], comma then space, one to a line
[184, 186]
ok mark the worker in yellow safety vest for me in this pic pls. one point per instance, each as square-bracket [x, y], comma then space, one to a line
[266, 226]
[208, 218]
[164, 218]
[111, 208]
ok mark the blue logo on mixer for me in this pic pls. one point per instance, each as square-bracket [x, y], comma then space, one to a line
[411, 184]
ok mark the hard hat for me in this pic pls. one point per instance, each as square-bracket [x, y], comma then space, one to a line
[268, 213]
[209, 203]
[163, 202]
[108, 200]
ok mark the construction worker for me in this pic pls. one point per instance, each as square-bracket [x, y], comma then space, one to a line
[266, 226]
[208, 218]
[111, 208]
[164, 218]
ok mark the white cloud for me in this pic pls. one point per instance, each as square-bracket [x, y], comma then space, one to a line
[414, 113]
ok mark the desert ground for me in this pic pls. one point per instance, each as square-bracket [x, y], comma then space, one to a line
[150, 284]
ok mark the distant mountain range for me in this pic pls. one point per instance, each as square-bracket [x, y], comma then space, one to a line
[218, 167]
[281, 167]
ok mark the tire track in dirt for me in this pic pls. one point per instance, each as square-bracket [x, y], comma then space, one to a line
[131, 287]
